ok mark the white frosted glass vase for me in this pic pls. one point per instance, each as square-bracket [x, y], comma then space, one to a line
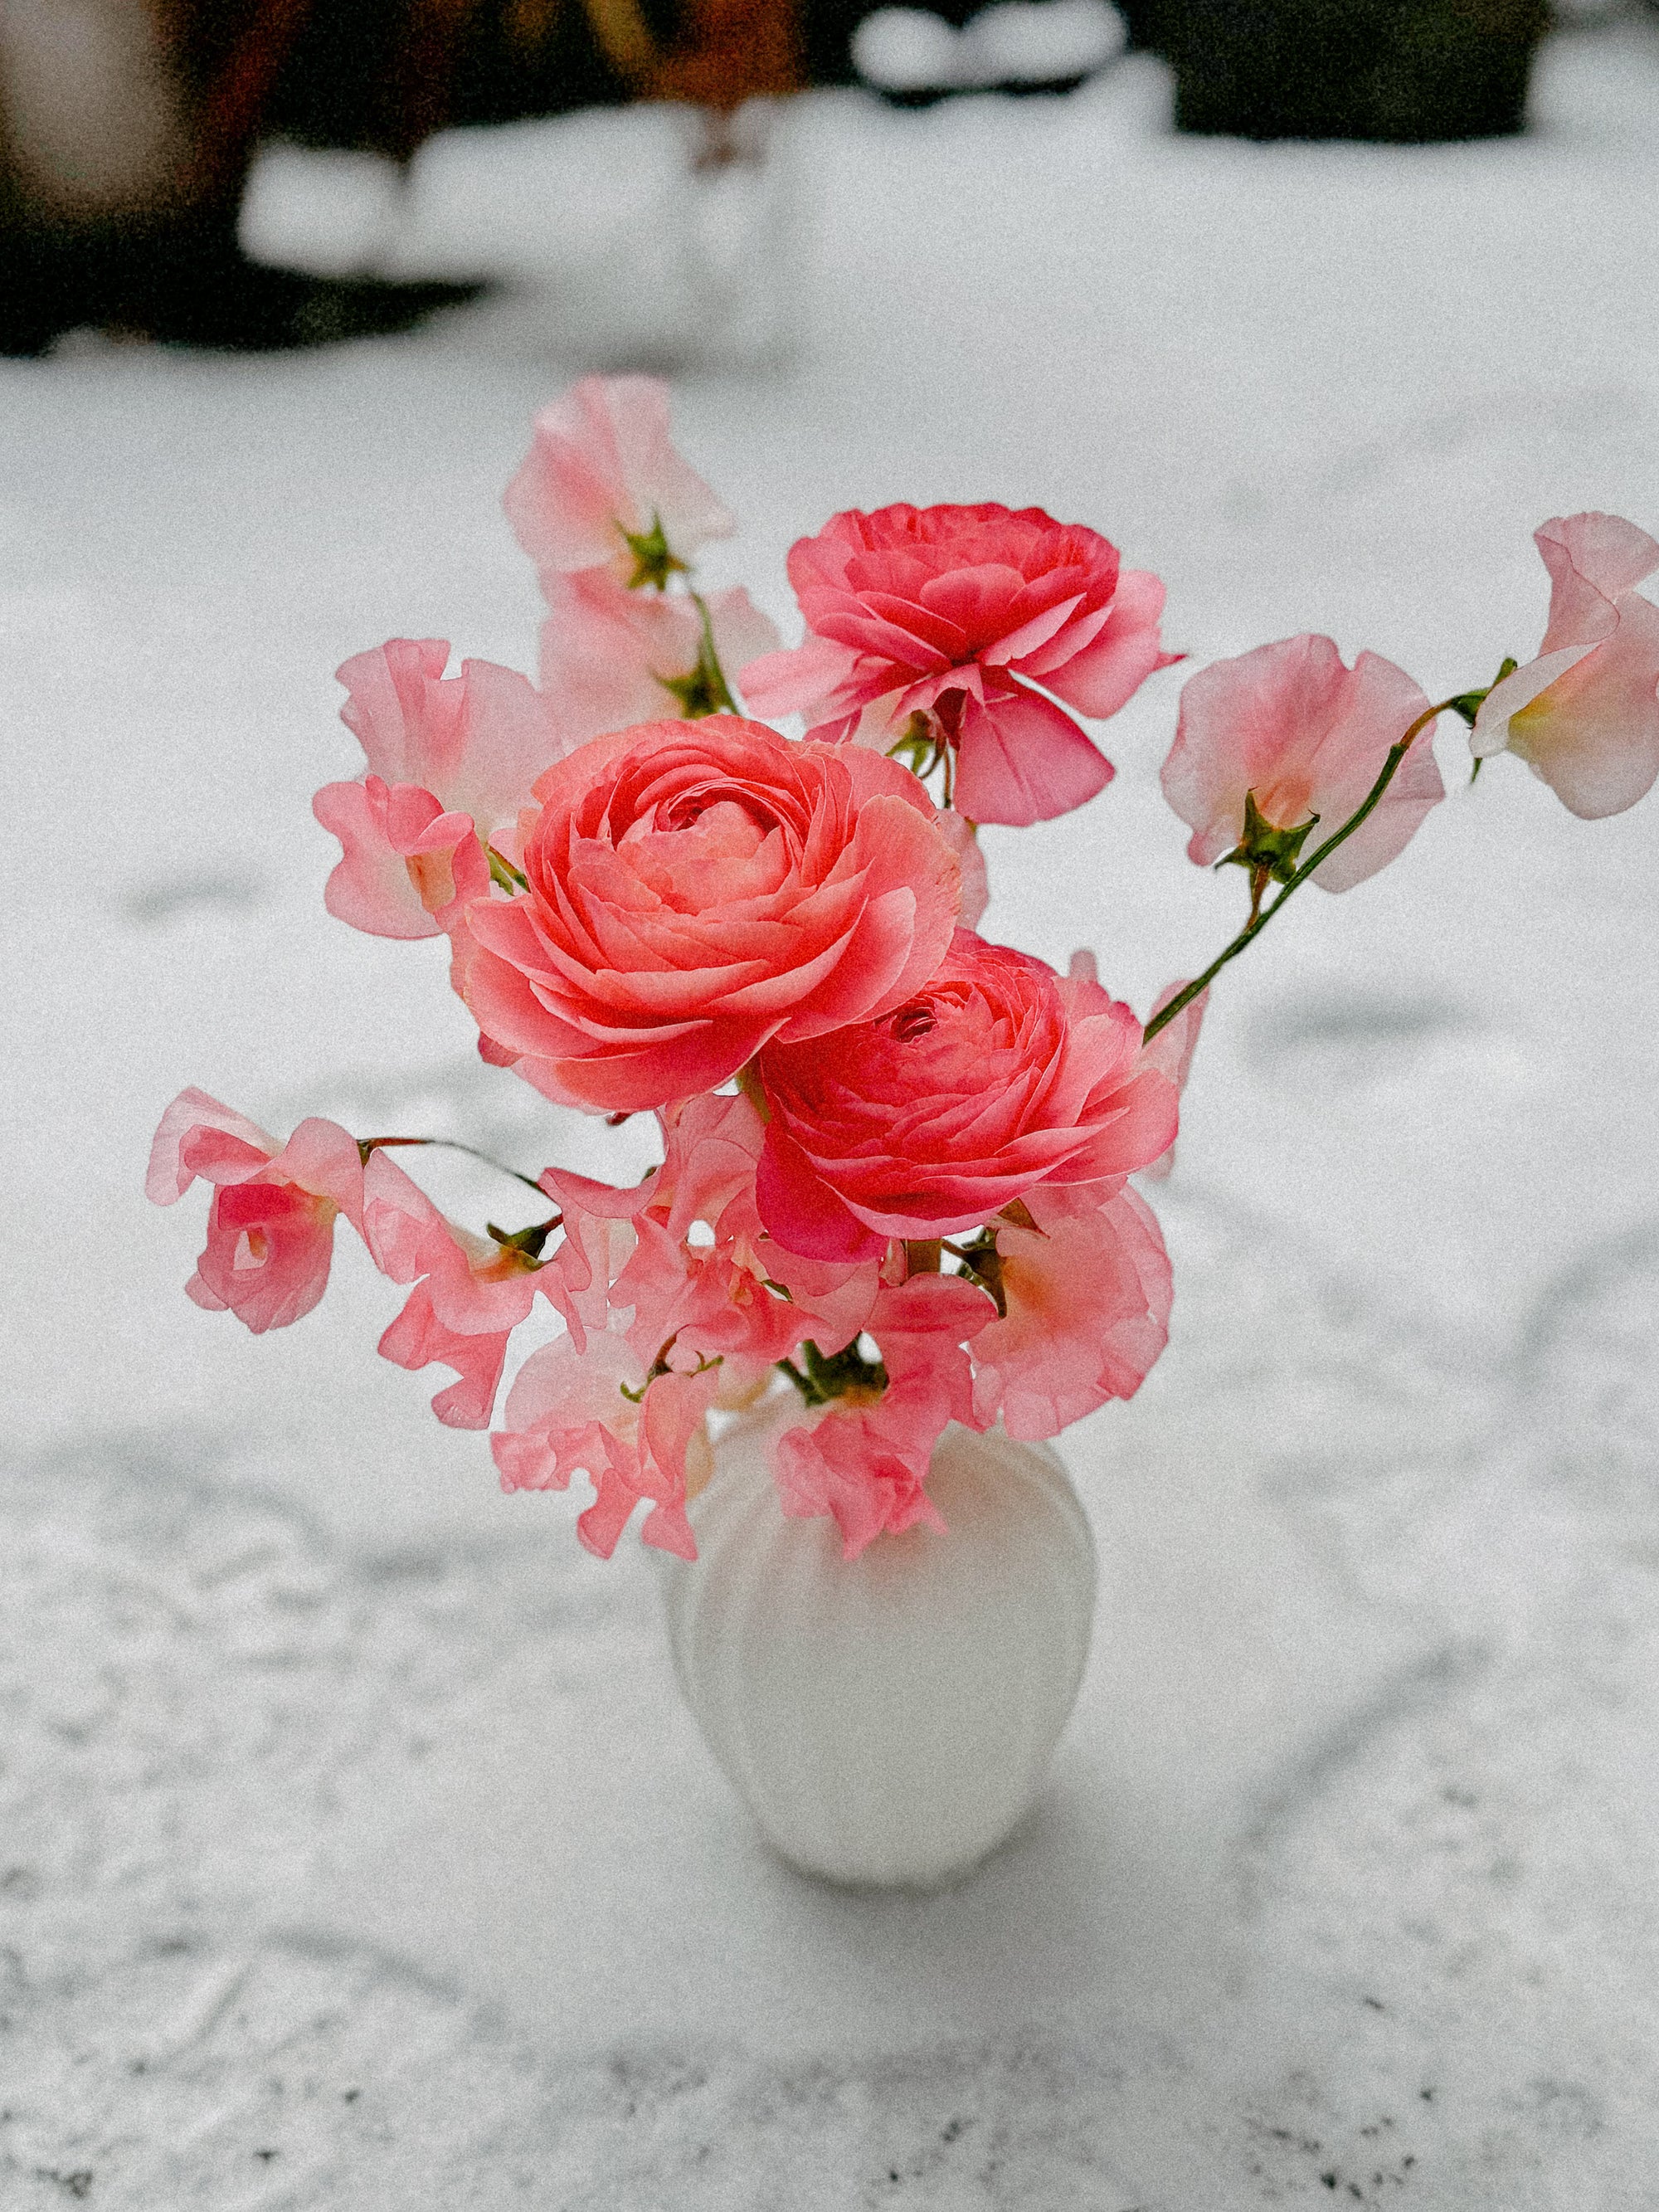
[888, 1720]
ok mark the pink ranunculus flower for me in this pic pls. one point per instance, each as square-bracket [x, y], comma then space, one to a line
[447, 758]
[696, 889]
[271, 1228]
[1087, 1289]
[470, 1292]
[569, 1413]
[602, 469]
[997, 1075]
[968, 615]
[1306, 735]
[865, 1461]
[611, 657]
[1584, 715]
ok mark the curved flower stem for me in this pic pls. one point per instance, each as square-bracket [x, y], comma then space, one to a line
[1260, 916]
[367, 1144]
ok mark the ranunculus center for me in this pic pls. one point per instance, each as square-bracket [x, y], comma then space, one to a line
[694, 858]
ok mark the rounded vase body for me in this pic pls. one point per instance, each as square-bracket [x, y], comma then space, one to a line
[889, 1719]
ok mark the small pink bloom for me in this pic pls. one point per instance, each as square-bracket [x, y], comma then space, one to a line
[696, 889]
[601, 469]
[1290, 723]
[865, 1461]
[470, 1293]
[957, 613]
[270, 1227]
[567, 1414]
[609, 655]
[997, 1075]
[446, 758]
[1087, 1293]
[1584, 715]
[406, 862]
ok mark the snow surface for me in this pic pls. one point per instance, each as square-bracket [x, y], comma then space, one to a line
[355, 1848]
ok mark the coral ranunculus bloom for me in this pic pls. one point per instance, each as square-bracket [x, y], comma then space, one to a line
[1291, 725]
[996, 1076]
[1585, 715]
[957, 613]
[696, 889]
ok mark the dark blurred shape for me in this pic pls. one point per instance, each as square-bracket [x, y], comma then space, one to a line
[158, 257]
[1389, 71]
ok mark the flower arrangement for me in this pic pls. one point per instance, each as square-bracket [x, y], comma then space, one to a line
[896, 1158]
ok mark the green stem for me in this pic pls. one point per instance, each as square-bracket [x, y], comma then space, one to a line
[1259, 919]
[367, 1144]
[719, 686]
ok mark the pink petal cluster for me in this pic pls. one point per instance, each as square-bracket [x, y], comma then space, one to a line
[695, 889]
[865, 1459]
[1291, 724]
[661, 1320]
[450, 761]
[968, 617]
[602, 468]
[270, 1227]
[994, 1077]
[1584, 715]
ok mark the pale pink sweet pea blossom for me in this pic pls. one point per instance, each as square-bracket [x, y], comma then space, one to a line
[270, 1227]
[996, 1075]
[968, 616]
[447, 757]
[469, 1293]
[866, 1460]
[602, 469]
[611, 658]
[595, 1413]
[1171, 1050]
[1584, 715]
[1306, 735]
[1087, 1289]
[695, 889]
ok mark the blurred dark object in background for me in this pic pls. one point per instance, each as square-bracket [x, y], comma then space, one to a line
[1390, 71]
[127, 128]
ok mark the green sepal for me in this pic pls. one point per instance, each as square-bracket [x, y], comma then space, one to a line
[1469, 703]
[1273, 851]
[653, 560]
[702, 689]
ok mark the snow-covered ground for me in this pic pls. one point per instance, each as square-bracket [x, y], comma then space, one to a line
[355, 1848]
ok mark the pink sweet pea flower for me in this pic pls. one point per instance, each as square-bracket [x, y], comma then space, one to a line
[958, 614]
[271, 1228]
[470, 1293]
[1584, 715]
[611, 658]
[997, 1075]
[1290, 725]
[1171, 1050]
[866, 1460]
[602, 469]
[570, 1412]
[697, 1275]
[1087, 1289]
[696, 889]
[446, 758]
